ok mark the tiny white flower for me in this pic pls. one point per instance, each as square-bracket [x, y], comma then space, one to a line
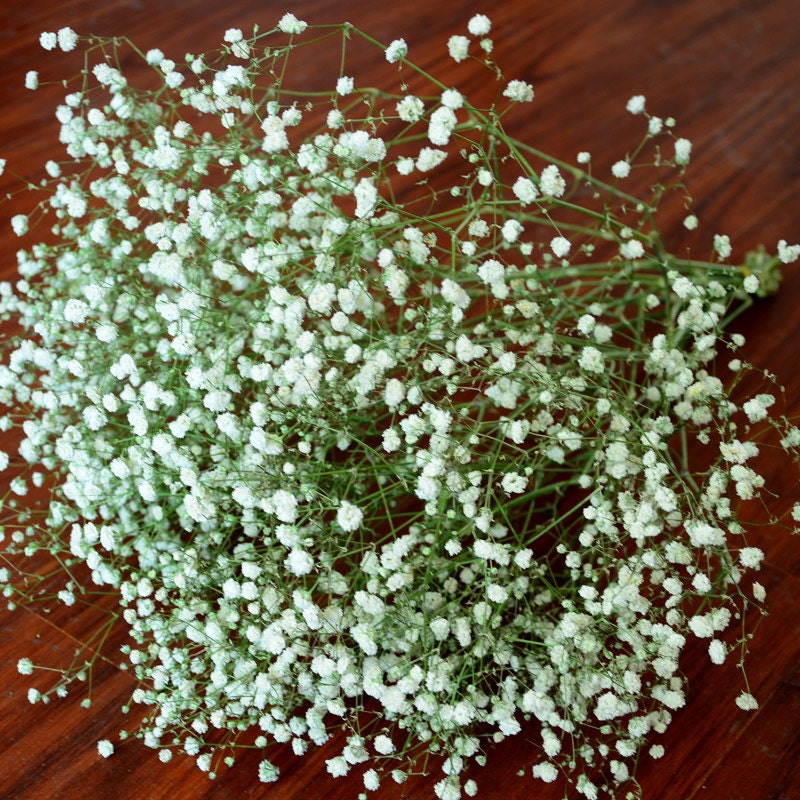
[631, 249]
[394, 393]
[344, 85]
[514, 483]
[479, 25]
[410, 109]
[442, 123]
[440, 628]
[551, 182]
[405, 166]
[747, 702]
[429, 158]
[275, 138]
[452, 99]
[722, 245]
[560, 246]
[299, 562]
[349, 516]
[545, 771]
[396, 51]
[337, 766]
[366, 198]
[105, 748]
[76, 311]
[683, 150]
[383, 745]
[458, 48]
[290, 24]
[447, 789]
[31, 79]
[701, 534]
[636, 104]
[335, 119]
[372, 780]
[591, 359]
[702, 626]
[525, 190]
[491, 271]
[716, 651]
[267, 772]
[25, 666]
[621, 169]
[751, 284]
[154, 57]
[48, 40]
[285, 505]
[751, 557]
[519, 91]
[511, 230]
[67, 39]
[788, 253]
[19, 224]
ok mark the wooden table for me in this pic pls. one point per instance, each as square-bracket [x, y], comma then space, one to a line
[729, 71]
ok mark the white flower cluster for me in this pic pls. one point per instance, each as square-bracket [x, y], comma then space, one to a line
[329, 452]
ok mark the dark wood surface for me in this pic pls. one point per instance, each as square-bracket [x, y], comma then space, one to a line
[729, 71]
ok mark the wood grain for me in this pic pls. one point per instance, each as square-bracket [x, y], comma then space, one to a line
[729, 71]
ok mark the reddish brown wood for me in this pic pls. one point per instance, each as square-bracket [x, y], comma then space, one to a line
[728, 71]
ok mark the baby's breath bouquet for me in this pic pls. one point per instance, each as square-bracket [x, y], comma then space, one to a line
[375, 418]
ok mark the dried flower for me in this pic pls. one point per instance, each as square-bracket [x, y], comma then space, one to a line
[325, 448]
